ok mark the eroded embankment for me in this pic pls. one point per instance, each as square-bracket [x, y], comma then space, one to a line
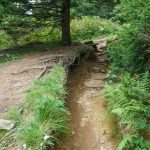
[86, 103]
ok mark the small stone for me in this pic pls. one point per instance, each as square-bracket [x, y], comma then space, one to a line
[5, 110]
[100, 50]
[103, 71]
[99, 53]
[73, 133]
[98, 76]
[102, 142]
[94, 84]
[6, 124]
[97, 69]
[77, 144]
[101, 60]
[101, 43]
[24, 146]
[87, 110]
[93, 92]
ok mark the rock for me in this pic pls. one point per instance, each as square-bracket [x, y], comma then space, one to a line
[101, 60]
[99, 50]
[5, 110]
[97, 69]
[102, 142]
[98, 76]
[101, 42]
[99, 54]
[6, 124]
[94, 84]
[73, 132]
[103, 70]
[76, 144]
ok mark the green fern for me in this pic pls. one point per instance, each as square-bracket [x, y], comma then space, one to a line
[129, 101]
[127, 140]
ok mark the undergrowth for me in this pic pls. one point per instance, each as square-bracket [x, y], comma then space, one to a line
[129, 100]
[127, 93]
[9, 58]
[48, 115]
[91, 27]
[44, 117]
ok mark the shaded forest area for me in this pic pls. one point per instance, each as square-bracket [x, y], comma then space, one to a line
[127, 90]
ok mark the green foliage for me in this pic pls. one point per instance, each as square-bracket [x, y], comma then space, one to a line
[131, 51]
[32, 133]
[81, 29]
[128, 53]
[8, 58]
[41, 35]
[101, 8]
[47, 114]
[91, 27]
[129, 100]
[5, 40]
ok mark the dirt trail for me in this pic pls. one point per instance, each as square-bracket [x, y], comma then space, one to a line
[17, 77]
[86, 103]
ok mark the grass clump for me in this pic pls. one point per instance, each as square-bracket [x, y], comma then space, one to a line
[129, 101]
[47, 116]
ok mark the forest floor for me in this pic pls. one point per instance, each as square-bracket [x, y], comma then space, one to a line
[89, 129]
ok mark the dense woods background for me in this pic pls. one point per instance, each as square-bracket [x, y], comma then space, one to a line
[127, 91]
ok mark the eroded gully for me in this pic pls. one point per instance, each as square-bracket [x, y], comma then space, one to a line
[89, 130]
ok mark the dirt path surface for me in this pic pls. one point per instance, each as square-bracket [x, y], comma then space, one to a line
[17, 77]
[86, 103]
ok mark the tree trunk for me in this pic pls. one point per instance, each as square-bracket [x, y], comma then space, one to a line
[66, 38]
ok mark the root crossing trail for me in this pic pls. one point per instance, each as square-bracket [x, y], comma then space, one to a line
[89, 131]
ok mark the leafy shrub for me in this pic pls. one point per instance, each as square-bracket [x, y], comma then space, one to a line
[41, 35]
[5, 40]
[131, 51]
[91, 27]
[129, 100]
[46, 111]
[127, 52]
